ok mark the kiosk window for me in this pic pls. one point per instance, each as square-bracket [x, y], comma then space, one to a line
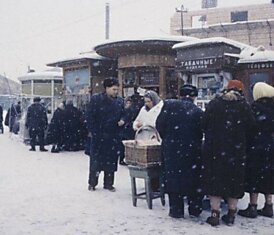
[129, 78]
[208, 87]
[258, 77]
[149, 77]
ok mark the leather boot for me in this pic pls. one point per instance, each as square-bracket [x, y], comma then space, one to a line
[214, 219]
[249, 212]
[266, 211]
[229, 218]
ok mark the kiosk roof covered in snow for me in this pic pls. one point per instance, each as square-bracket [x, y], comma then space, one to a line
[117, 48]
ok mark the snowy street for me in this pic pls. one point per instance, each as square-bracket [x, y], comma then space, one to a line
[45, 193]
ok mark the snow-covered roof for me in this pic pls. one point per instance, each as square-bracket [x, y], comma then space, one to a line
[49, 74]
[90, 56]
[256, 55]
[212, 40]
[147, 39]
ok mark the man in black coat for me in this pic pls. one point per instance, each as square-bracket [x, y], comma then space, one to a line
[37, 123]
[1, 120]
[179, 125]
[105, 124]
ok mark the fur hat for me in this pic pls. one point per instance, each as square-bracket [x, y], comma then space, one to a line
[109, 82]
[261, 90]
[189, 90]
[36, 99]
[232, 84]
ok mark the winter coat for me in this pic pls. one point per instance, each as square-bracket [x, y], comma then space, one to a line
[260, 154]
[1, 114]
[13, 115]
[148, 117]
[179, 125]
[56, 127]
[226, 122]
[37, 117]
[73, 125]
[103, 116]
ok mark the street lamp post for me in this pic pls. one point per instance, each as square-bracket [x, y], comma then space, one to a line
[182, 10]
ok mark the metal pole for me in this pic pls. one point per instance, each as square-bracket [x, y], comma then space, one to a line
[181, 10]
[182, 20]
[107, 20]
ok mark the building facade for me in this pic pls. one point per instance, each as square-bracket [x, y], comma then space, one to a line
[252, 24]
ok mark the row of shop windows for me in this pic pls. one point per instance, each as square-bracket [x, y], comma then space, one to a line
[208, 84]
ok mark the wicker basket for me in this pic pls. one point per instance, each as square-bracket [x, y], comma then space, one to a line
[143, 155]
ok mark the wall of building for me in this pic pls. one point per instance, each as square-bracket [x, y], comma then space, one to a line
[140, 60]
[259, 30]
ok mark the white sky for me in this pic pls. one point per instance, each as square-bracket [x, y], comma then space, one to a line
[36, 32]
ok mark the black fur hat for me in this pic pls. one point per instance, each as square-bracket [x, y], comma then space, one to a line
[36, 99]
[189, 90]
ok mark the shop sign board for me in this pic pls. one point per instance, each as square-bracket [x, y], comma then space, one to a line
[265, 65]
[200, 64]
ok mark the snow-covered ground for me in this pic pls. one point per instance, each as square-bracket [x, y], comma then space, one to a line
[45, 193]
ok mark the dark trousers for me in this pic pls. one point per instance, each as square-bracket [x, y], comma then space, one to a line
[1, 128]
[34, 133]
[94, 175]
[176, 204]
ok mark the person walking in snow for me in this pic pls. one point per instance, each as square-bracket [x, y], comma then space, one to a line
[226, 122]
[105, 125]
[260, 157]
[37, 123]
[179, 125]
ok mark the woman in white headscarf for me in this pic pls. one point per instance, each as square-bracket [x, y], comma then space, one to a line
[150, 111]
[260, 161]
[147, 116]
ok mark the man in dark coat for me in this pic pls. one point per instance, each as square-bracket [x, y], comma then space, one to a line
[1, 120]
[55, 135]
[37, 123]
[179, 125]
[227, 120]
[73, 127]
[105, 124]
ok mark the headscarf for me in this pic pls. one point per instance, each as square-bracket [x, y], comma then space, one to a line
[261, 90]
[153, 96]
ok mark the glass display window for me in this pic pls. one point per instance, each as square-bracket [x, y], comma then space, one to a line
[129, 78]
[208, 86]
[149, 77]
